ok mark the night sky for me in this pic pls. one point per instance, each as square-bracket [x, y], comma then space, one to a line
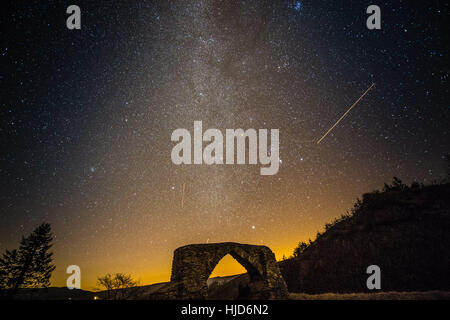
[87, 116]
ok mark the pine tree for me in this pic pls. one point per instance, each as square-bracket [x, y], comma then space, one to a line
[8, 269]
[31, 265]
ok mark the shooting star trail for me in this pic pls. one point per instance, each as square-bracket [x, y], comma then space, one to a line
[182, 196]
[351, 107]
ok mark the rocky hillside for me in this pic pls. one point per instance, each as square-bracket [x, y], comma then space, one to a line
[405, 230]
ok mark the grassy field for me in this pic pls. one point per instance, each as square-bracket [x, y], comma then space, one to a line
[392, 295]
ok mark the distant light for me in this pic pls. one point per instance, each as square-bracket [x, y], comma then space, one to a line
[298, 6]
[95, 298]
[253, 227]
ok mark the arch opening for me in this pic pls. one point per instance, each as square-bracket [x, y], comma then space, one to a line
[227, 266]
[229, 279]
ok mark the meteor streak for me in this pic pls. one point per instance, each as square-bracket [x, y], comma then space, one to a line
[342, 117]
[182, 195]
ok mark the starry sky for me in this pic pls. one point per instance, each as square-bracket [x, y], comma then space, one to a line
[87, 116]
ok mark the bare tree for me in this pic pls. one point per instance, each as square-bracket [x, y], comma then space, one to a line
[119, 286]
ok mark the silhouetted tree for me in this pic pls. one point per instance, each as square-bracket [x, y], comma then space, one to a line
[300, 249]
[9, 270]
[119, 286]
[415, 185]
[397, 184]
[31, 265]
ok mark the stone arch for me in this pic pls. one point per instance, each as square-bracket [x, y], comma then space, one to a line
[193, 264]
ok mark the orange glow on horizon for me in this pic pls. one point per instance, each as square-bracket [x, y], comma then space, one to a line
[226, 267]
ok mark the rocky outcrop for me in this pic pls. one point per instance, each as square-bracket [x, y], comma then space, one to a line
[193, 264]
[404, 230]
